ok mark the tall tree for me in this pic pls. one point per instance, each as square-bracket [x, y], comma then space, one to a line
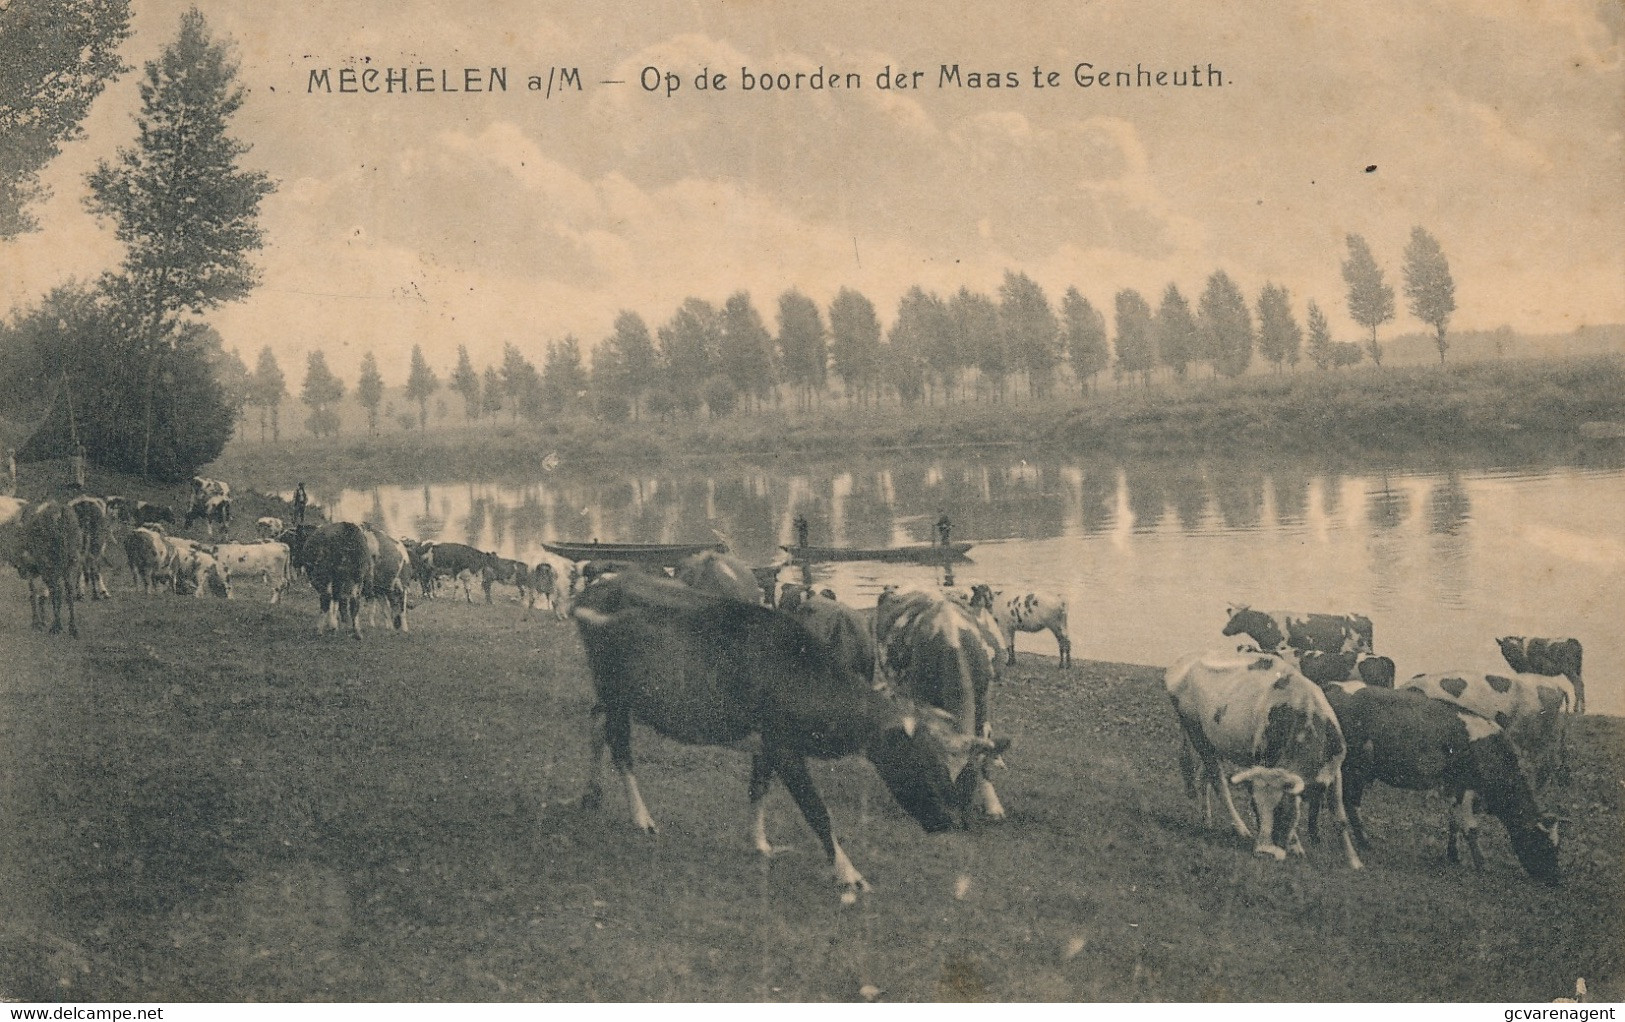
[1084, 330]
[626, 363]
[1321, 351]
[186, 212]
[1371, 301]
[904, 366]
[1178, 338]
[56, 56]
[270, 389]
[1032, 330]
[421, 383]
[466, 382]
[690, 345]
[803, 348]
[321, 391]
[1430, 291]
[491, 390]
[973, 322]
[232, 375]
[1279, 336]
[1227, 325]
[369, 390]
[564, 378]
[746, 348]
[854, 342]
[1136, 343]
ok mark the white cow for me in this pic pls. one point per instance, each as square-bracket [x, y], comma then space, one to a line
[269, 527]
[269, 562]
[1025, 612]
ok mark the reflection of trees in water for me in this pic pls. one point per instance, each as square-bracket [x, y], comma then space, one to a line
[1098, 498]
[474, 526]
[497, 511]
[1331, 494]
[1239, 493]
[1146, 502]
[527, 520]
[745, 516]
[376, 516]
[1449, 507]
[1290, 486]
[996, 502]
[868, 515]
[1387, 507]
[1187, 491]
[427, 525]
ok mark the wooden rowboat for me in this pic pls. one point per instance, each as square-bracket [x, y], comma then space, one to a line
[892, 555]
[668, 554]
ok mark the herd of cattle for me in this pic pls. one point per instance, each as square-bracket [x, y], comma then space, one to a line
[1305, 711]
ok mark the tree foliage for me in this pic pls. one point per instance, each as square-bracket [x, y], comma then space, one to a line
[973, 322]
[268, 389]
[564, 378]
[854, 345]
[690, 345]
[1320, 338]
[1279, 336]
[421, 383]
[904, 366]
[321, 391]
[1136, 346]
[746, 348]
[466, 382]
[369, 390]
[1178, 338]
[626, 364]
[1084, 330]
[803, 344]
[1371, 301]
[56, 56]
[1227, 326]
[1430, 291]
[1031, 330]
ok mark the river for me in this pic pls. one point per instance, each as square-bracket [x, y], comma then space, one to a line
[1148, 553]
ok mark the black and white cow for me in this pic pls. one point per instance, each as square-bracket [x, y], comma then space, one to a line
[1406, 740]
[707, 670]
[1550, 657]
[1026, 612]
[1325, 647]
[1531, 709]
[1256, 711]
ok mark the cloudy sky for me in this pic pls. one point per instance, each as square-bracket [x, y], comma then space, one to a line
[484, 218]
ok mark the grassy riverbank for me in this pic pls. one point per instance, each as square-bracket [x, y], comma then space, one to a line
[1505, 410]
[204, 800]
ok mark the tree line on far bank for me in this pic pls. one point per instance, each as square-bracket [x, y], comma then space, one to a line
[967, 346]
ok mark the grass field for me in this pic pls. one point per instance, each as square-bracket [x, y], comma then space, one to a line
[204, 800]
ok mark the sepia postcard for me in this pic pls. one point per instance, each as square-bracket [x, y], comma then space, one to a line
[1144, 486]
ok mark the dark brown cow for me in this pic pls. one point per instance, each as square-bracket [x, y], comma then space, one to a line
[1549, 657]
[708, 670]
[94, 529]
[339, 558]
[49, 550]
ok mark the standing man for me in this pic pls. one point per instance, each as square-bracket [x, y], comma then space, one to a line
[801, 530]
[299, 502]
[944, 527]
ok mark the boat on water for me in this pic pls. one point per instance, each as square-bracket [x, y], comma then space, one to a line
[923, 554]
[668, 554]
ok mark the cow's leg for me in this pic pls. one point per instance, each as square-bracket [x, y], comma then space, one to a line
[793, 771]
[1286, 824]
[397, 603]
[1341, 817]
[352, 603]
[1353, 792]
[1063, 645]
[73, 622]
[1462, 819]
[1221, 786]
[618, 733]
[1010, 644]
[1265, 799]
[1579, 690]
[597, 724]
[761, 780]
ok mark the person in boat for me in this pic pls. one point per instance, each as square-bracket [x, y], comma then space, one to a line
[801, 530]
[944, 528]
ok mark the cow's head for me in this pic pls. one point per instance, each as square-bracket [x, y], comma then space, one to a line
[1376, 671]
[1536, 848]
[930, 768]
[981, 597]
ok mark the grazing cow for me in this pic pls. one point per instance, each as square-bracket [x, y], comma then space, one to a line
[338, 558]
[48, 548]
[1028, 612]
[1549, 657]
[463, 563]
[706, 670]
[1257, 711]
[551, 578]
[1323, 633]
[270, 562]
[139, 513]
[268, 526]
[1326, 668]
[392, 570]
[1407, 740]
[513, 573]
[942, 653]
[211, 512]
[721, 574]
[418, 565]
[1531, 710]
[196, 570]
[94, 530]
[151, 559]
[204, 488]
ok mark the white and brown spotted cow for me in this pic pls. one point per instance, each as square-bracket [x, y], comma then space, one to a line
[1256, 711]
[1025, 612]
[1531, 709]
[1325, 647]
[1550, 657]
